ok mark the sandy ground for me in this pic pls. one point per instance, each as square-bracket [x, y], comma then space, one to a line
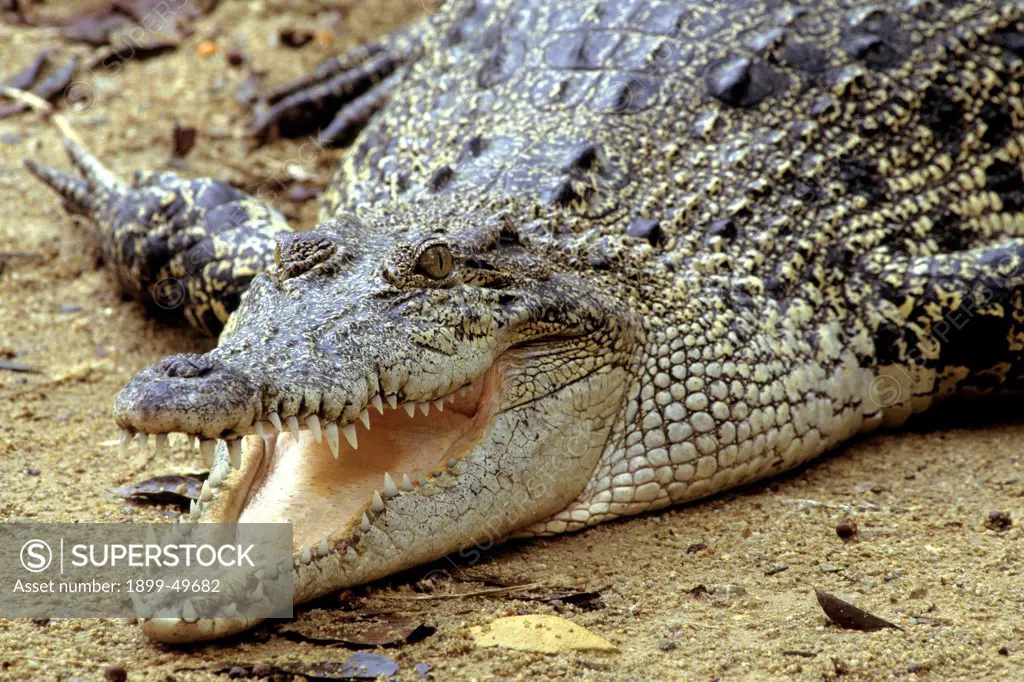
[924, 559]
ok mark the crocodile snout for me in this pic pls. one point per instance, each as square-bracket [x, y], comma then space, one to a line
[188, 393]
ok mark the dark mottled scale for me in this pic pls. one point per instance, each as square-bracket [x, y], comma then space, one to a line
[1006, 180]
[440, 178]
[741, 81]
[647, 229]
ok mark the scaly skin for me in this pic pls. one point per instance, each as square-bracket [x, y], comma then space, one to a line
[691, 245]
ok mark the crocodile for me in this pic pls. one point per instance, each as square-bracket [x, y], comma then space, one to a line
[581, 260]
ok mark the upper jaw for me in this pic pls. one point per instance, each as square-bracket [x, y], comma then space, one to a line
[226, 395]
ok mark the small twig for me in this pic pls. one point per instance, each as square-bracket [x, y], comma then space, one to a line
[47, 110]
[463, 595]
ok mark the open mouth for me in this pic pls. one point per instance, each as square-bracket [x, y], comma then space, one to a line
[330, 480]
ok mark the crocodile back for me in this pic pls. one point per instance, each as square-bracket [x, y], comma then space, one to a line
[767, 139]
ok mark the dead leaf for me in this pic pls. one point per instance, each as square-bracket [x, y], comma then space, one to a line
[383, 631]
[98, 26]
[174, 489]
[537, 632]
[124, 50]
[48, 88]
[846, 615]
[24, 79]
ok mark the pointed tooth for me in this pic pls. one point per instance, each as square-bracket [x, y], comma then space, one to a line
[206, 493]
[324, 548]
[410, 409]
[406, 483]
[122, 447]
[306, 556]
[349, 431]
[161, 443]
[268, 447]
[142, 439]
[392, 401]
[450, 397]
[193, 441]
[216, 475]
[208, 448]
[313, 422]
[364, 417]
[260, 431]
[188, 612]
[390, 489]
[194, 508]
[377, 403]
[293, 426]
[377, 504]
[275, 420]
[462, 391]
[230, 610]
[331, 431]
[439, 404]
[364, 523]
[424, 408]
[235, 453]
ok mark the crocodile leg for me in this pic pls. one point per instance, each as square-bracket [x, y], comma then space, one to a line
[947, 323]
[186, 248]
[341, 94]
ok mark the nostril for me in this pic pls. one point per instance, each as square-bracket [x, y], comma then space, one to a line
[187, 366]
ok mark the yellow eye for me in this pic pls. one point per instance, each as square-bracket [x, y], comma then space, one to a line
[277, 255]
[435, 262]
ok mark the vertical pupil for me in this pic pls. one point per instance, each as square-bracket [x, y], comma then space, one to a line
[435, 262]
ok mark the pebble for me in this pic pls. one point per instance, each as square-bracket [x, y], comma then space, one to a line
[115, 672]
[847, 529]
[262, 670]
[235, 57]
[998, 521]
[206, 49]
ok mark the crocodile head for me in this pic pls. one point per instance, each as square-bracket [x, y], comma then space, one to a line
[398, 387]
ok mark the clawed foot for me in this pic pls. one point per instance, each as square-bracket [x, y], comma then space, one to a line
[340, 96]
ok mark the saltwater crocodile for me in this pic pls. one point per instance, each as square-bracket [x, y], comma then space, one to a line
[625, 253]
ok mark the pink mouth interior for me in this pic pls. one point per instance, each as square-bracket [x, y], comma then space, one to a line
[321, 496]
